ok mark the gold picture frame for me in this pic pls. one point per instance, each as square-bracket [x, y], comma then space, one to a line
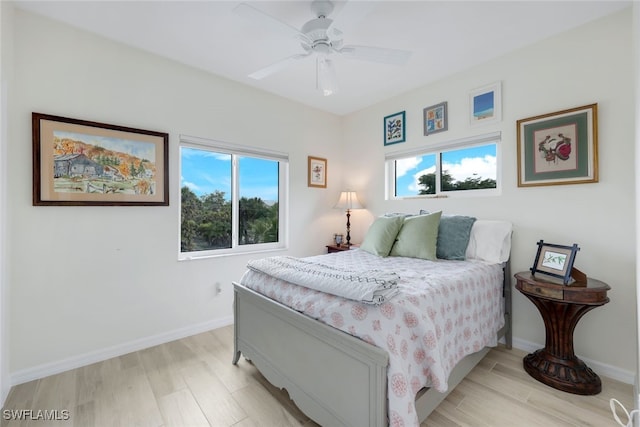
[559, 148]
[316, 172]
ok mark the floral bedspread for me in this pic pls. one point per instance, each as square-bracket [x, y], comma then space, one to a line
[445, 310]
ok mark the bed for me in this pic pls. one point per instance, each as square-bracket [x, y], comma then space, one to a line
[350, 362]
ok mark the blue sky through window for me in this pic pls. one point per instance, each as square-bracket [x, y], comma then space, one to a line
[259, 178]
[205, 171]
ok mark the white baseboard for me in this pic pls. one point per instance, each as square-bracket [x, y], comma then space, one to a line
[599, 368]
[636, 393]
[4, 393]
[74, 362]
[53, 368]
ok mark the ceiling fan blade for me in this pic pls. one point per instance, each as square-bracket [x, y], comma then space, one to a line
[277, 66]
[351, 13]
[270, 22]
[376, 54]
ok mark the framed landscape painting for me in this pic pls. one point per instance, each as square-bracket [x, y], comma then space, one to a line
[84, 163]
[559, 148]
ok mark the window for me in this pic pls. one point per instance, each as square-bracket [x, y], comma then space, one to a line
[463, 166]
[233, 198]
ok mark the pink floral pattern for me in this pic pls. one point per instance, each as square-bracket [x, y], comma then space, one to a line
[445, 311]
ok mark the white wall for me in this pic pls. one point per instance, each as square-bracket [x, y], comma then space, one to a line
[636, 56]
[88, 282]
[583, 66]
[6, 51]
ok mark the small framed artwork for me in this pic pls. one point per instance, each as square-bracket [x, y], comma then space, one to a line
[559, 148]
[485, 104]
[435, 118]
[83, 163]
[317, 169]
[555, 260]
[394, 128]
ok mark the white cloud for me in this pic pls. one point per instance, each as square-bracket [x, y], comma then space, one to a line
[193, 187]
[405, 165]
[190, 153]
[482, 167]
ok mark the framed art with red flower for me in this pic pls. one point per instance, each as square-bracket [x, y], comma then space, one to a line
[317, 172]
[559, 148]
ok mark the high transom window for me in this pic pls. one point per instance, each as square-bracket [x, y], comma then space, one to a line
[456, 167]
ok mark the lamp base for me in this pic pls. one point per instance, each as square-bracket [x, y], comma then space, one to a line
[348, 228]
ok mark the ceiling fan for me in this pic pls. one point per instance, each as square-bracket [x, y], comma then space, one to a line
[321, 38]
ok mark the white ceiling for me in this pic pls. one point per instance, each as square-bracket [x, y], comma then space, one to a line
[444, 36]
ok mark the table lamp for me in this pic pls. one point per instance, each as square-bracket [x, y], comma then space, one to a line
[348, 200]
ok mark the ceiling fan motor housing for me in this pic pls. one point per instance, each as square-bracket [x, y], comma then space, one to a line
[316, 31]
[321, 8]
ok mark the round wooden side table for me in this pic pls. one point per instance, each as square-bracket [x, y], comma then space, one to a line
[561, 307]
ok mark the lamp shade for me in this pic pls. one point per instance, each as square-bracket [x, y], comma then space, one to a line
[348, 200]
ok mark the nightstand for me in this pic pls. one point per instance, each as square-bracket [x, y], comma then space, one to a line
[561, 307]
[335, 248]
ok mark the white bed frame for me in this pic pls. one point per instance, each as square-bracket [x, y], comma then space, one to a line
[333, 377]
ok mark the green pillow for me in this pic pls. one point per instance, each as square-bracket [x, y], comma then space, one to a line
[418, 237]
[381, 235]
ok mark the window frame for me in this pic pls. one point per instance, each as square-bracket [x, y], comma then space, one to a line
[236, 150]
[438, 150]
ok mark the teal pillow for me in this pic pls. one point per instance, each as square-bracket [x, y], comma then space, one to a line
[381, 235]
[453, 236]
[418, 237]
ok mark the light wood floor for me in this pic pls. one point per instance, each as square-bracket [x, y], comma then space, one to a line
[191, 382]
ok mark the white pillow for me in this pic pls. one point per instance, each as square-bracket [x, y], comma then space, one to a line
[490, 241]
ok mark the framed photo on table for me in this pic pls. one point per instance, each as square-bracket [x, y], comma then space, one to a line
[559, 148]
[555, 260]
[85, 163]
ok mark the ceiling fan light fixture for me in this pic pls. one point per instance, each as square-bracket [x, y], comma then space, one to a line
[320, 37]
[326, 79]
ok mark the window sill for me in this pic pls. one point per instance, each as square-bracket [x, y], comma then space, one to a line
[230, 253]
